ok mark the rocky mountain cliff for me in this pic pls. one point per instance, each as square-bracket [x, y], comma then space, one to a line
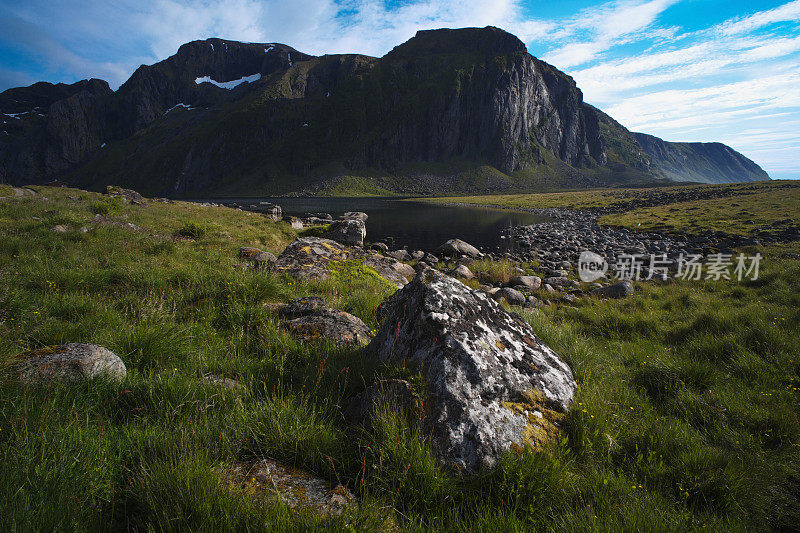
[465, 110]
[703, 162]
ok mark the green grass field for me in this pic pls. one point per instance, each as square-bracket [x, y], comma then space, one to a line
[742, 207]
[685, 419]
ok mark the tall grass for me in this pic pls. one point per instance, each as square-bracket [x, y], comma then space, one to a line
[685, 417]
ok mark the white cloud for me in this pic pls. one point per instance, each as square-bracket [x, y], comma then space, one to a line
[785, 13]
[608, 25]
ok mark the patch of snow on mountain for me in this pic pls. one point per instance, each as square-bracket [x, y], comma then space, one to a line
[228, 84]
[267, 50]
[175, 106]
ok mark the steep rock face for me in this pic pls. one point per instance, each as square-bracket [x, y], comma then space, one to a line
[473, 94]
[42, 95]
[703, 162]
[153, 89]
[449, 110]
[65, 124]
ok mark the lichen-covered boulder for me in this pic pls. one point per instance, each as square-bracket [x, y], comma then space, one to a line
[493, 385]
[70, 363]
[299, 490]
[310, 318]
[127, 195]
[350, 231]
[308, 257]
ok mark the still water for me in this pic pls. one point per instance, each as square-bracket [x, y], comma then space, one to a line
[416, 225]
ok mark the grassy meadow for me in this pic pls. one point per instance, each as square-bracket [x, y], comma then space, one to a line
[737, 208]
[685, 419]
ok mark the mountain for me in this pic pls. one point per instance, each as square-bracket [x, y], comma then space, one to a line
[703, 162]
[466, 110]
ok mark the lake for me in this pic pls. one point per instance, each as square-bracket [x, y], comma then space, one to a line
[416, 225]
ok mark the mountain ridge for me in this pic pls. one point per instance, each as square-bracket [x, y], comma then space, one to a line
[452, 110]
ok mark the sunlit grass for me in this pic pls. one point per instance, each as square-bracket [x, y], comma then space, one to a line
[685, 417]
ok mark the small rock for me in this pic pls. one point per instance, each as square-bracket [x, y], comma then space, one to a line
[270, 210]
[558, 281]
[303, 306]
[532, 301]
[321, 216]
[457, 248]
[313, 320]
[358, 215]
[222, 381]
[295, 222]
[430, 259]
[621, 289]
[264, 260]
[59, 229]
[381, 247]
[407, 271]
[299, 490]
[512, 296]
[128, 195]
[530, 282]
[461, 271]
[71, 363]
[350, 232]
[307, 258]
[401, 255]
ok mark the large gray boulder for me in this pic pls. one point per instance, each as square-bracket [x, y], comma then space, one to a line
[307, 258]
[311, 258]
[457, 247]
[349, 231]
[493, 385]
[70, 363]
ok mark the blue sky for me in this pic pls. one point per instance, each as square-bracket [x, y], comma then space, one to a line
[685, 70]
